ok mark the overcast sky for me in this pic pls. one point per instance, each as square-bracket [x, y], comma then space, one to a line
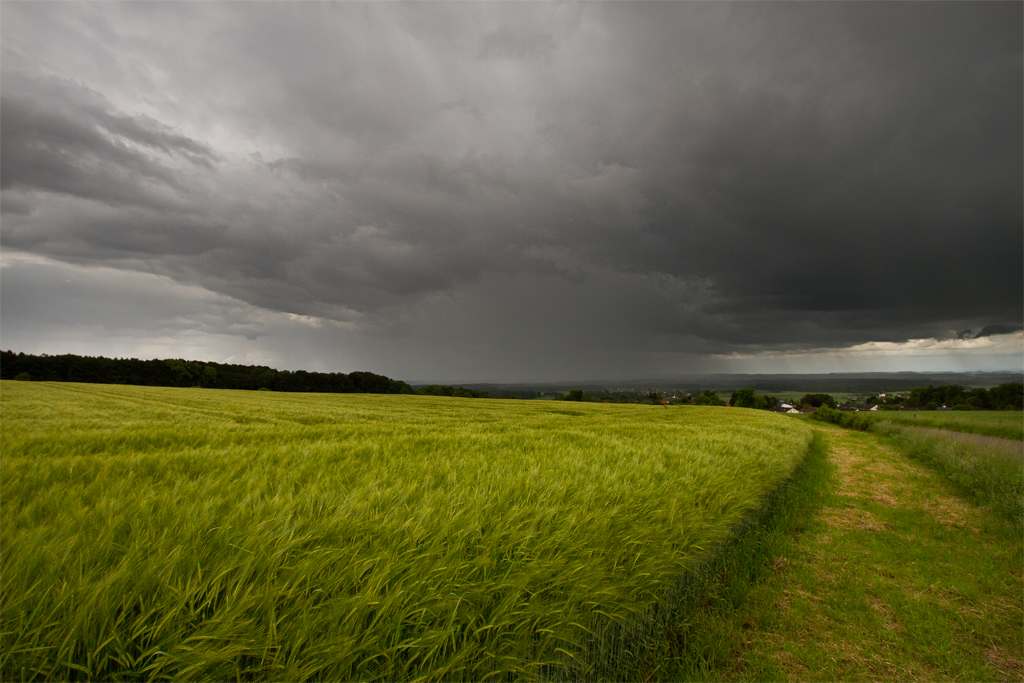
[516, 192]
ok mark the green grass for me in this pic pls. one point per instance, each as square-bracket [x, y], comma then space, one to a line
[982, 473]
[894, 578]
[1005, 424]
[201, 534]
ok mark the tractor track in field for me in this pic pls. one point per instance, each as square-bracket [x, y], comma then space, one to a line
[896, 578]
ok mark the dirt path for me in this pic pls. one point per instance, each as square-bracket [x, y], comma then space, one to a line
[896, 579]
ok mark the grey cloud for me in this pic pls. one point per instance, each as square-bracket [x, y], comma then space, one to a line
[79, 230]
[990, 330]
[713, 176]
[53, 294]
[16, 205]
[507, 43]
[61, 137]
[409, 224]
[878, 207]
[149, 132]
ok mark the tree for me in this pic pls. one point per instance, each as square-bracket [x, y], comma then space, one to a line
[397, 386]
[186, 373]
[708, 398]
[369, 383]
[1007, 396]
[747, 398]
[818, 400]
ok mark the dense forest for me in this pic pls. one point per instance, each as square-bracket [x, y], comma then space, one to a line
[190, 373]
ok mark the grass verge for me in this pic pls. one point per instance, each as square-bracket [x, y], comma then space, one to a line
[983, 474]
[1004, 424]
[859, 421]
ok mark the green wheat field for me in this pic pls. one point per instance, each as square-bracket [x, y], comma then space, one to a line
[153, 533]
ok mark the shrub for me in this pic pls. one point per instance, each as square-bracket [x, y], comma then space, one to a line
[849, 420]
[818, 400]
[747, 398]
[708, 398]
[575, 395]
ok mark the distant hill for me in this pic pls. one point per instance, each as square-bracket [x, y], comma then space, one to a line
[185, 373]
[855, 383]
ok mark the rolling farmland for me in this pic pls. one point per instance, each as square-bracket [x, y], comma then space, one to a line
[188, 533]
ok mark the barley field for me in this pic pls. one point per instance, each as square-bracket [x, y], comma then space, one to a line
[185, 534]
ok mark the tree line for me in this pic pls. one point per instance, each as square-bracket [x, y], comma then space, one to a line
[190, 373]
[1008, 396]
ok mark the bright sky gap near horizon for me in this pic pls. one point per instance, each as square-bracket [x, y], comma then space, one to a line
[524, 192]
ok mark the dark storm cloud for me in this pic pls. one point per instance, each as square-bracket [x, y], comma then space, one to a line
[705, 176]
[868, 179]
[990, 330]
[61, 137]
